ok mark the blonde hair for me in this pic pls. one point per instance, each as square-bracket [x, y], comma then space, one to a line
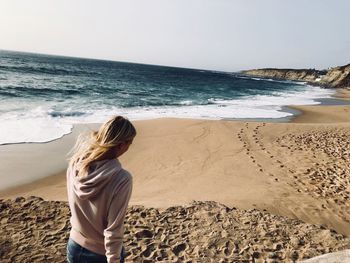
[95, 147]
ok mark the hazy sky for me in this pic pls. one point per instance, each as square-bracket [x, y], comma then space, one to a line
[213, 34]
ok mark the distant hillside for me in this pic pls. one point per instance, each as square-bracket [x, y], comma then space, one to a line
[338, 77]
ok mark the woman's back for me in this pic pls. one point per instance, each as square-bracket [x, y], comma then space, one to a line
[99, 191]
[91, 197]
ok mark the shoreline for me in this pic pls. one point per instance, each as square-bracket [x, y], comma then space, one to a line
[332, 110]
[333, 100]
[341, 97]
[301, 114]
[49, 158]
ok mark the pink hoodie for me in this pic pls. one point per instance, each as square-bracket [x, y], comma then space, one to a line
[98, 204]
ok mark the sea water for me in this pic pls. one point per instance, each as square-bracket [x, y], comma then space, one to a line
[42, 96]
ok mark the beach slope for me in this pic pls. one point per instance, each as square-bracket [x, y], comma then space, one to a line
[278, 189]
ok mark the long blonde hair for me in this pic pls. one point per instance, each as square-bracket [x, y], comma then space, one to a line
[95, 147]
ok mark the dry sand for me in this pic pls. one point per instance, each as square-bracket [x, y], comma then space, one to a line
[197, 232]
[298, 171]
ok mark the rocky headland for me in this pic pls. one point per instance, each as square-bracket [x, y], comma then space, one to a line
[338, 77]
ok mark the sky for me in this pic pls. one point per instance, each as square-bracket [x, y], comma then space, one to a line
[227, 35]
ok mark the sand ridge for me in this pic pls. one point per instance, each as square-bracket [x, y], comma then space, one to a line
[197, 232]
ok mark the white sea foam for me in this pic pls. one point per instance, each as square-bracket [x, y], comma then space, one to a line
[31, 126]
[29, 122]
[186, 102]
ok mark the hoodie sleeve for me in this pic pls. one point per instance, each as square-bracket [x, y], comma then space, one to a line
[113, 234]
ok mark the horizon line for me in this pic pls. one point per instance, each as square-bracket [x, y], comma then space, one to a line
[118, 61]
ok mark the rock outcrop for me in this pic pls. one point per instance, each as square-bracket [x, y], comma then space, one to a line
[338, 77]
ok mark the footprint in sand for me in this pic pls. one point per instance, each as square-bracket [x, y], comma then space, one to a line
[178, 248]
[228, 250]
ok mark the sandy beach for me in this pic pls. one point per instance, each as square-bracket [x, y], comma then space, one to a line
[204, 191]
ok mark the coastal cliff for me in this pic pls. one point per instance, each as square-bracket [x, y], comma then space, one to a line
[338, 77]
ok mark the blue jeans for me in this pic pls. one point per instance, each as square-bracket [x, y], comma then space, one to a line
[78, 254]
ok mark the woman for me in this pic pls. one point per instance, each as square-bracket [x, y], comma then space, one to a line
[99, 190]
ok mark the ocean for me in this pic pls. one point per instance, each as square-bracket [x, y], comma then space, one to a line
[42, 96]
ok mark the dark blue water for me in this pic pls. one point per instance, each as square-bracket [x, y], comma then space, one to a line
[54, 92]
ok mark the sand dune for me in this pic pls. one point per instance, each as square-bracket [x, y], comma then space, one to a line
[197, 232]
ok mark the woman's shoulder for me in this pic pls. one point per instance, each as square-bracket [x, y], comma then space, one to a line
[121, 181]
[126, 175]
[123, 177]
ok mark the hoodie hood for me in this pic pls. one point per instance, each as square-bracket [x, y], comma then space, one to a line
[99, 175]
